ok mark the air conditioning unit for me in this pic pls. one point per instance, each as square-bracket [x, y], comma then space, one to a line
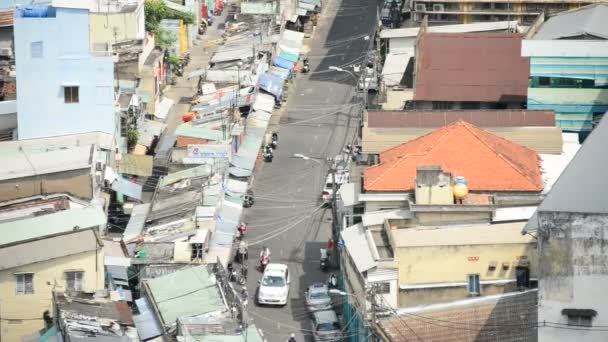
[99, 166]
[438, 8]
[420, 7]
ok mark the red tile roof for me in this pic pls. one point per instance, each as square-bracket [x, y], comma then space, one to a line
[488, 162]
[478, 67]
[480, 118]
[6, 18]
[185, 141]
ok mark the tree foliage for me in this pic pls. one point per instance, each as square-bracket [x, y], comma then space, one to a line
[157, 10]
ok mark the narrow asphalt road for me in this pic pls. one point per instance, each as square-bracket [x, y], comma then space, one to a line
[322, 117]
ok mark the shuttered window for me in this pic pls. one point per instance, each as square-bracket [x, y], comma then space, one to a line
[74, 280]
[25, 283]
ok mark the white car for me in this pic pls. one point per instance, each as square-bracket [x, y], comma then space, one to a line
[274, 286]
[341, 178]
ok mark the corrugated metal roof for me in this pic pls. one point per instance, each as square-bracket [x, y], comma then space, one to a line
[540, 139]
[228, 76]
[198, 132]
[564, 48]
[176, 7]
[480, 118]
[292, 38]
[358, 247]
[479, 67]
[55, 223]
[589, 20]
[146, 323]
[147, 130]
[126, 187]
[199, 171]
[232, 54]
[264, 102]
[458, 28]
[19, 164]
[582, 188]
[6, 18]
[69, 243]
[185, 293]
[163, 108]
[394, 67]
[137, 222]
[257, 7]
[103, 140]
[131, 164]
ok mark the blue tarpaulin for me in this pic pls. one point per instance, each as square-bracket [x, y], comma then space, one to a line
[271, 84]
[283, 63]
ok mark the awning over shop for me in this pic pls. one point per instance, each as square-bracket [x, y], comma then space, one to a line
[302, 12]
[295, 38]
[280, 72]
[313, 2]
[355, 241]
[290, 57]
[305, 6]
[163, 108]
[290, 49]
[136, 165]
[263, 102]
[126, 187]
[260, 115]
[283, 63]
[197, 73]
[271, 84]
[238, 172]
[147, 130]
[198, 132]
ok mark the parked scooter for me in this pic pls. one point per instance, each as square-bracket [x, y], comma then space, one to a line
[231, 272]
[242, 278]
[248, 199]
[267, 154]
[275, 140]
[306, 67]
[241, 230]
[324, 262]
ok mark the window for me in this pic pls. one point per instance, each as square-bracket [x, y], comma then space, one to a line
[579, 317]
[25, 283]
[441, 105]
[383, 288]
[36, 50]
[544, 81]
[70, 94]
[73, 280]
[474, 286]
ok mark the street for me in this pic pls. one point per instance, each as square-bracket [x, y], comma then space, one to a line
[321, 118]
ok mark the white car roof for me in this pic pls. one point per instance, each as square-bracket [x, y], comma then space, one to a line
[275, 268]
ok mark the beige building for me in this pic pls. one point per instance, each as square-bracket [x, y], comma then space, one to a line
[443, 263]
[470, 11]
[30, 270]
[114, 22]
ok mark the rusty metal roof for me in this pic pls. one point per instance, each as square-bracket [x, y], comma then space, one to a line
[480, 118]
[477, 67]
[6, 18]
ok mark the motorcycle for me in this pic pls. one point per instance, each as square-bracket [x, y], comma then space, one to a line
[264, 261]
[306, 67]
[267, 154]
[275, 141]
[248, 199]
[231, 273]
[241, 231]
[324, 262]
[242, 279]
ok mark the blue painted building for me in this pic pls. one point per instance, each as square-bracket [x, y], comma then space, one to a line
[63, 88]
[569, 67]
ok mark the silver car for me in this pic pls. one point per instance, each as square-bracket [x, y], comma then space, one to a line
[317, 297]
[326, 327]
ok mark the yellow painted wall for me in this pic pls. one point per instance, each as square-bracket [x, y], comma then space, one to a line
[102, 27]
[441, 264]
[48, 275]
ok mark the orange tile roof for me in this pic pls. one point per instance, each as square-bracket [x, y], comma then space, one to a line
[185, 141]
[488, 162]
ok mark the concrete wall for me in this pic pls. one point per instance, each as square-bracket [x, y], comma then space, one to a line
[573, 272]
[77, 183]
[448, 218]
[66, 60]
[128, 26]
[48, 276]
[379, 205]
[425, 296]
[452, 264]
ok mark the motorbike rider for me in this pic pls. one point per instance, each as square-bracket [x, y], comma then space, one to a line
[243, 255]
[292, 338]
[267, 149]
[242, 229]
[264, 258]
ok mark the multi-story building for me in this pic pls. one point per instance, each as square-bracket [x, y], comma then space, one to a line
[64, 88]
[469, 11]
[571, 226]
[568, 57]
[39, 255]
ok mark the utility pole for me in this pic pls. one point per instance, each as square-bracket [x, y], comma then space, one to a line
[334, 211]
